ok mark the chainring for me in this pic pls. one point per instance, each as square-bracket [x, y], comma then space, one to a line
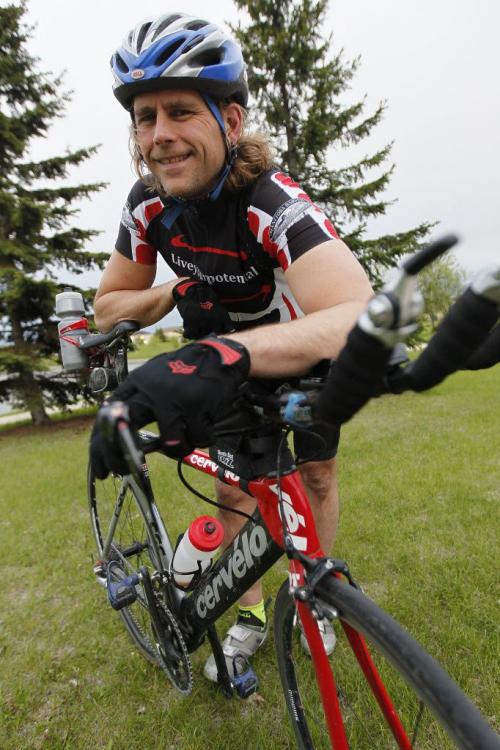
[172, 653]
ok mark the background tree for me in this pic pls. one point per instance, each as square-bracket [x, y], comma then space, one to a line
[296, 87]
[35, 240]
[440, 283]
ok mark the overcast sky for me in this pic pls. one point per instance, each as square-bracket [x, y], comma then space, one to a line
[435, 62]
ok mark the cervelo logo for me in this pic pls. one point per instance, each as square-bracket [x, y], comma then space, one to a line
[254, 544]
[293, 520]
[203, 462]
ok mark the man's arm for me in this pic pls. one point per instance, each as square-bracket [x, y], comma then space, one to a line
[332, 289]
[126, 293]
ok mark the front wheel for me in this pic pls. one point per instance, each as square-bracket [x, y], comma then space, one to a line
[434, 714]
[114, 501]
[126, 534]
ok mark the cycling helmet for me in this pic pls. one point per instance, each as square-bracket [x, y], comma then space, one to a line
[179, 51]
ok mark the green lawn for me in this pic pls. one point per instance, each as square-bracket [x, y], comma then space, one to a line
[420, 486]
[153, 347]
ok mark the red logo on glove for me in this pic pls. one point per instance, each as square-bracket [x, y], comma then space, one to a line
[206, 305]
[179, 367]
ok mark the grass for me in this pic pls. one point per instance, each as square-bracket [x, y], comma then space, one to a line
[152, 348]
[420, 486]
[63, 416]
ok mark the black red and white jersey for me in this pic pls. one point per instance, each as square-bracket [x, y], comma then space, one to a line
[241, 244]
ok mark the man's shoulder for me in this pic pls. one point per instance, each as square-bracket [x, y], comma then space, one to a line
[141, 212]
[273, 188]
[141, 193]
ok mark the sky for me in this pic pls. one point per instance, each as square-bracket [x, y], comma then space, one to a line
[434, 62]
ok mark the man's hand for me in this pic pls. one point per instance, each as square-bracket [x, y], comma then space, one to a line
[200, 309]
[185, 392]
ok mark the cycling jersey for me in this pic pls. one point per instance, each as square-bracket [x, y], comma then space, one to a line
[241, 244]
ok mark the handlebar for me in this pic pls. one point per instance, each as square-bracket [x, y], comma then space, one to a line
[359, 373]
[418, 261]
[389, 318]
[464, 329]
[488, 354]
[107, 356]
[121, 329]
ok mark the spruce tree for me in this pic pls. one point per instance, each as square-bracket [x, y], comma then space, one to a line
[35, 239]
[296, 86]
[440, 283]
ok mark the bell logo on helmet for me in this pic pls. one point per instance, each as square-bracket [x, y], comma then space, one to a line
[137, 73]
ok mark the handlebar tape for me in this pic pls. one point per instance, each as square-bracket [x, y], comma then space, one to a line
[355, 377]
[464, 328]
[488, 354]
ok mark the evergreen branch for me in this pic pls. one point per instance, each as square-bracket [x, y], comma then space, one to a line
[66, 194]
[55, 167]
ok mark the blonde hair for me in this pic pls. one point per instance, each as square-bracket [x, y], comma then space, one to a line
[254, 157]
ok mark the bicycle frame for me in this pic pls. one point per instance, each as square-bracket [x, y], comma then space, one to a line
[255, 549]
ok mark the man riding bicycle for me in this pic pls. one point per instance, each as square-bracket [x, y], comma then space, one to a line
[255, 260]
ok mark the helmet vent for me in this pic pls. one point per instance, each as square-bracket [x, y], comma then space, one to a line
[208, 57]
[120, 63]
[142, 34]
[163, 25]
[195, 25]
[192, 44]
[168, 52]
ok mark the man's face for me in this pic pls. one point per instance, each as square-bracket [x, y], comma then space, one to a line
[180, 141]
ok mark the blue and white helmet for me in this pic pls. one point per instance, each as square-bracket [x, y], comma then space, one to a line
[178, 51]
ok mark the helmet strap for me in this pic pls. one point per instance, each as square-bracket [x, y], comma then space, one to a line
[214, 109]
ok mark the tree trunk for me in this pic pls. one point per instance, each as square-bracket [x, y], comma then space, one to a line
[32, 397]
[29, 391]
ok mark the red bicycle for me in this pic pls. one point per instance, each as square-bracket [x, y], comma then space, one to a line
[330, 700]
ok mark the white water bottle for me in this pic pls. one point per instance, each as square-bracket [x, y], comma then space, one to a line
[196, 549]
[73, 325]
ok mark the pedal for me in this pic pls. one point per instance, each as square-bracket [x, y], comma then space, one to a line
[122, 593]
[246, 683]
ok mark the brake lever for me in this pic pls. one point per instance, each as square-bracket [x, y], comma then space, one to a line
[114, 424]
[391, 316]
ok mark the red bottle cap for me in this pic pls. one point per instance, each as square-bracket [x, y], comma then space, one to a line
[206, 533]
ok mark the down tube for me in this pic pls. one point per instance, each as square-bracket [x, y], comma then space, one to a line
[250, 555]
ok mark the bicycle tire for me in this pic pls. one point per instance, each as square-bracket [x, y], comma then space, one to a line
[132, 528]
[452, 720]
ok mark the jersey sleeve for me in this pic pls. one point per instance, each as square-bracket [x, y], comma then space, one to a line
[134, 235]
[284, 220]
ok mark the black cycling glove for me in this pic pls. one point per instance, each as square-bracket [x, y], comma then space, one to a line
[201, 311]
[185, 392]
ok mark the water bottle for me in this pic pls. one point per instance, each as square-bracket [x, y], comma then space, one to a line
[73, 325]
[196, 549]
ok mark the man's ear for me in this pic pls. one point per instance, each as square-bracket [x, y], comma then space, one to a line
[233, 120]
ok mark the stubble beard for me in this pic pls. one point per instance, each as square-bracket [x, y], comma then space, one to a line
[193, 188]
